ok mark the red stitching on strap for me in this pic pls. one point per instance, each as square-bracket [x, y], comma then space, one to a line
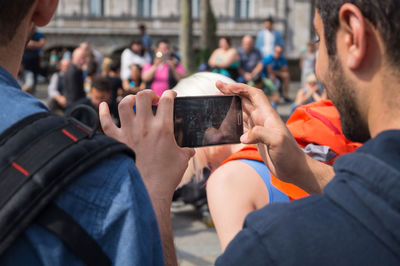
[83, 129]
[69, 135]
[20, 169]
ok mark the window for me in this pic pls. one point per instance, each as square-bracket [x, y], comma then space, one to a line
[145, 8]
[96, 8]
[196, 8]
[242, 8]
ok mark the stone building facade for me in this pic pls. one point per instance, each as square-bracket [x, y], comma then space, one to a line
[109, 25]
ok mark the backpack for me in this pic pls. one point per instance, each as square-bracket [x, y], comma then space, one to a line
[39, 156]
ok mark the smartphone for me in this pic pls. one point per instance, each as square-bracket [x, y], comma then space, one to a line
[207, 120]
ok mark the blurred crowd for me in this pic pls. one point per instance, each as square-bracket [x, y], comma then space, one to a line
[85, 76]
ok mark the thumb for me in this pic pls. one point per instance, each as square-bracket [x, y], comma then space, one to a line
[256, 135]
[189, 151]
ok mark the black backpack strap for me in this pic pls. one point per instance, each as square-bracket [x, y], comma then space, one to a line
[39, 157]
[73, 235]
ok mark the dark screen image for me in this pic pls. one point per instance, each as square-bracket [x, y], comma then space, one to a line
[208, 120]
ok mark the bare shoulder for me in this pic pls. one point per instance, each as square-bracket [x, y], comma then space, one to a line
[237, 176]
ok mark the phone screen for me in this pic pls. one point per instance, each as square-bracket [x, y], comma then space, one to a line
[207, 120]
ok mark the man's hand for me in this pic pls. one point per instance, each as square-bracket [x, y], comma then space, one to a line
[278, 148]
[160, 161]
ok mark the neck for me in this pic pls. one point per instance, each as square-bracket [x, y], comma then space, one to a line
[11, 54]
[11, 57]
[384, 111]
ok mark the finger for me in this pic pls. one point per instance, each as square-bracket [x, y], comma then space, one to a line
[107, 124]
[165, 108]
[125, 110]
[256, 97]
[144, 100]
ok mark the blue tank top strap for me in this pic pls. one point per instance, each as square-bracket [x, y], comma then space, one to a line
[275, 195]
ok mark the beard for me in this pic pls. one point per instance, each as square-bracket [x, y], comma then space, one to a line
[342, 93]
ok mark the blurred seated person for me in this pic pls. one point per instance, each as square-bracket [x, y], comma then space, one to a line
[91, 74]
[135, 54]
[134, 84]
[112, 73]
[100, 92]
[250, 60]
[26, 79]
[73, 79]
[276, 69]
[268, 87]
[225, 59]
[165, 71]
[312, 92]
[57, 100]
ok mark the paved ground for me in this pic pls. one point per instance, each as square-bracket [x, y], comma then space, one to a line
[196, 243]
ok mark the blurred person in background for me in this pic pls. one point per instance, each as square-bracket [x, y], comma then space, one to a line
[225, 60]
[277, 70]
[113, 76]
[57, 101]
[134, 84]
[26, 79]
[268, 38]
[135, 54]
[307, 62]
[90, 74]
[100, 91]
[93, 55]
[73, 79]
[145, 38]
[165, 71]
[268, 87]
[33, 51]
[250, 60]
[312, 92]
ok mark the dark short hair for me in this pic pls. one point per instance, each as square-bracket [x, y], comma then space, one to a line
[101, 84]
[384, 15]
[142, 27]
[91, 68]
[136, 41]
[12, 12]
[162, 41]
[227, 39]
[115, 65]
[269, 19]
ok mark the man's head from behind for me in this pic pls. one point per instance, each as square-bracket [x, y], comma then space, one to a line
[359, 45]
[248, 43]
[101, 91]
[13, 13]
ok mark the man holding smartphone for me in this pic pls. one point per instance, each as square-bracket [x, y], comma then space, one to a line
[354, 219]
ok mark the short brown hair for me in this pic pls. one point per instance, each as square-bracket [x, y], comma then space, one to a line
[12, 12]
[384, 15]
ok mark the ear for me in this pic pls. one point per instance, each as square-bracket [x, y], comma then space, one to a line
[354, 30]
[44, 11]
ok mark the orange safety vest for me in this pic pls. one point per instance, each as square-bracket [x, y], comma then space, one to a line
[317, 123]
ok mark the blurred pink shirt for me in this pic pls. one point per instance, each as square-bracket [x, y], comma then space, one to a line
[160, 81]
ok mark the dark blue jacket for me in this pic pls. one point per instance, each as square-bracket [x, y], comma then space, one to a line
[355, 222]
